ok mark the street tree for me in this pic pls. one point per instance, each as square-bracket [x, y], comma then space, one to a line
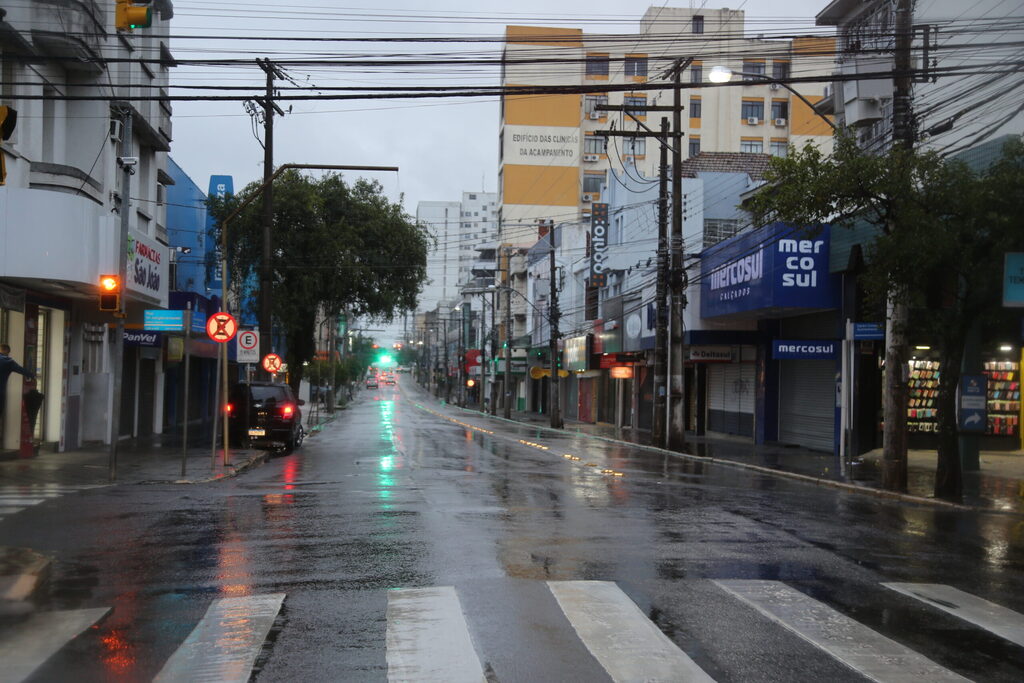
[335, 246]
[940, 232]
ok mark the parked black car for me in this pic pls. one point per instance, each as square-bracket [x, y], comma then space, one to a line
[265, 415]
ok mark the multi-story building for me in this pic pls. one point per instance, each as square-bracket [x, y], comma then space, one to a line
[60, 213]
[553, 162]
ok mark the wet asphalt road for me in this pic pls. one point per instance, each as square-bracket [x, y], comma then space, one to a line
[400, 492]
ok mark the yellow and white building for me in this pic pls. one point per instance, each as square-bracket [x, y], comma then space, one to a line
[552, 165]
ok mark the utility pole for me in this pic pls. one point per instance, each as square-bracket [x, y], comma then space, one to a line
[555, 411]
[494, 354]
[894, 404]
[658, 432]
[677, 394]
[122, 274]
[483, 355]
[266, 279]
[447, 367]
[508, 336]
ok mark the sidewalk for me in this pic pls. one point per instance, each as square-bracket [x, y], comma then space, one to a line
[999, 486]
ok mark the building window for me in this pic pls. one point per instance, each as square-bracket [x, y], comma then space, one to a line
[780, 110]
[752, 146]
[473, 196]
[636, 66]
[694, 107]
[694, 146]
[639, 102]
[592, 182]
[597, 65]
[698, 24]
[752, 109]
[634, 146]
[754, 68]
[718, 229]
[595, 144]
[696, 74]
[779, 148]
[780, 70]
[590, 103]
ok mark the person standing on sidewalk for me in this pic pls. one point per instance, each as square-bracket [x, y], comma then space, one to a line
[7, 366]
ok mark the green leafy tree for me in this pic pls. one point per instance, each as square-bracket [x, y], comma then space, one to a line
[335, 246]
[941, 232]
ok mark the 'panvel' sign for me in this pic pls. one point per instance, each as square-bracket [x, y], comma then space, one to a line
[763, 271]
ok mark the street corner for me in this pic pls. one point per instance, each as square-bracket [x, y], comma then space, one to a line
[23, 572]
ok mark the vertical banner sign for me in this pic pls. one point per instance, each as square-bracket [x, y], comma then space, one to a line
[598, 245]
[973, 405]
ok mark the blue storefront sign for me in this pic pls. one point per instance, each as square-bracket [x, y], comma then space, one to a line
[163, 321]
[868, 331]
[806, 349]
[972, 404]
[1013, 280]
[766, 271]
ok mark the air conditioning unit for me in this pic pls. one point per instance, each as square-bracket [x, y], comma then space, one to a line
[115, 130]
[590, 157]
[586, 197]
[780, 122]
[774, 86]
[596, 115]
[753, 120]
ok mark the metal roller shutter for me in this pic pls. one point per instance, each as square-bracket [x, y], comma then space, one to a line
[731, 398]
[807, 400]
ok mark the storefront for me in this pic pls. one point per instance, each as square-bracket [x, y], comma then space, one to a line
[580, 403]
[777, 277]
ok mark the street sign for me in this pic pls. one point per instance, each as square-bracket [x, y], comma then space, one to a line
[868, 331]
[1013, 280]
[972, 404]
[158, 320]
[272, 363]
[247, 349]
[221, 327]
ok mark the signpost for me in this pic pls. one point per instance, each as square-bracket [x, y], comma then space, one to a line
[221, 328]
[247, 348]
[272, 363]
[971, 403]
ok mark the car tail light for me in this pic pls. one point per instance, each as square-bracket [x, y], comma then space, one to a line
[287, 410]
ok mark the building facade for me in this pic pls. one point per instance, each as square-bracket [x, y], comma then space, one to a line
[60, 213]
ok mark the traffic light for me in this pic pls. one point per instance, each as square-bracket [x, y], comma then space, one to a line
[8, 117]
[110, 293]
[130, 14]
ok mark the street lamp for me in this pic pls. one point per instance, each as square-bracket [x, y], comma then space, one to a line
[723, 74]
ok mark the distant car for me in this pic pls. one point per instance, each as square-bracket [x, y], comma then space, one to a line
[266, 414]
[389, 379]
[371, 382]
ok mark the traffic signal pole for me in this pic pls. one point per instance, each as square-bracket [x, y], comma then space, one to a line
[122, 271]
[554, 409]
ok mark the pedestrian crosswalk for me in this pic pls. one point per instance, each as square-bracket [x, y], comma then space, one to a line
[429, 636]
[14, 499]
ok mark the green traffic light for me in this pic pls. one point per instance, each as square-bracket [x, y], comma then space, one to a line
[385, 358]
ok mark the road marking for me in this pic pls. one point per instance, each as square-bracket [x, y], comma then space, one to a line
[31, 643]
[860, 648]
[994, 618]
[225, 643]
[427, 637]
[626, 643]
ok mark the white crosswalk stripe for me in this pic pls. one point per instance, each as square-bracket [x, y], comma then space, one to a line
[994, 618]
[14, 499]
[628, 645]
[224, 645]
[859, 647]
[427, 637]
[26, 648]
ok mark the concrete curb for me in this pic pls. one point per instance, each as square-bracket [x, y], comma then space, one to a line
[25, 571]
[236, 469]
[830, 483]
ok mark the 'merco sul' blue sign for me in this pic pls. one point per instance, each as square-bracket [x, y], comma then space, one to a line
[804, 349]
[775, 267]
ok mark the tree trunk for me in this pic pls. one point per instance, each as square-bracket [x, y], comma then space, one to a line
[894, 400]
[949, 468]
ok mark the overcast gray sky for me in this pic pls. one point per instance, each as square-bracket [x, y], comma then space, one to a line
[443, 147]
